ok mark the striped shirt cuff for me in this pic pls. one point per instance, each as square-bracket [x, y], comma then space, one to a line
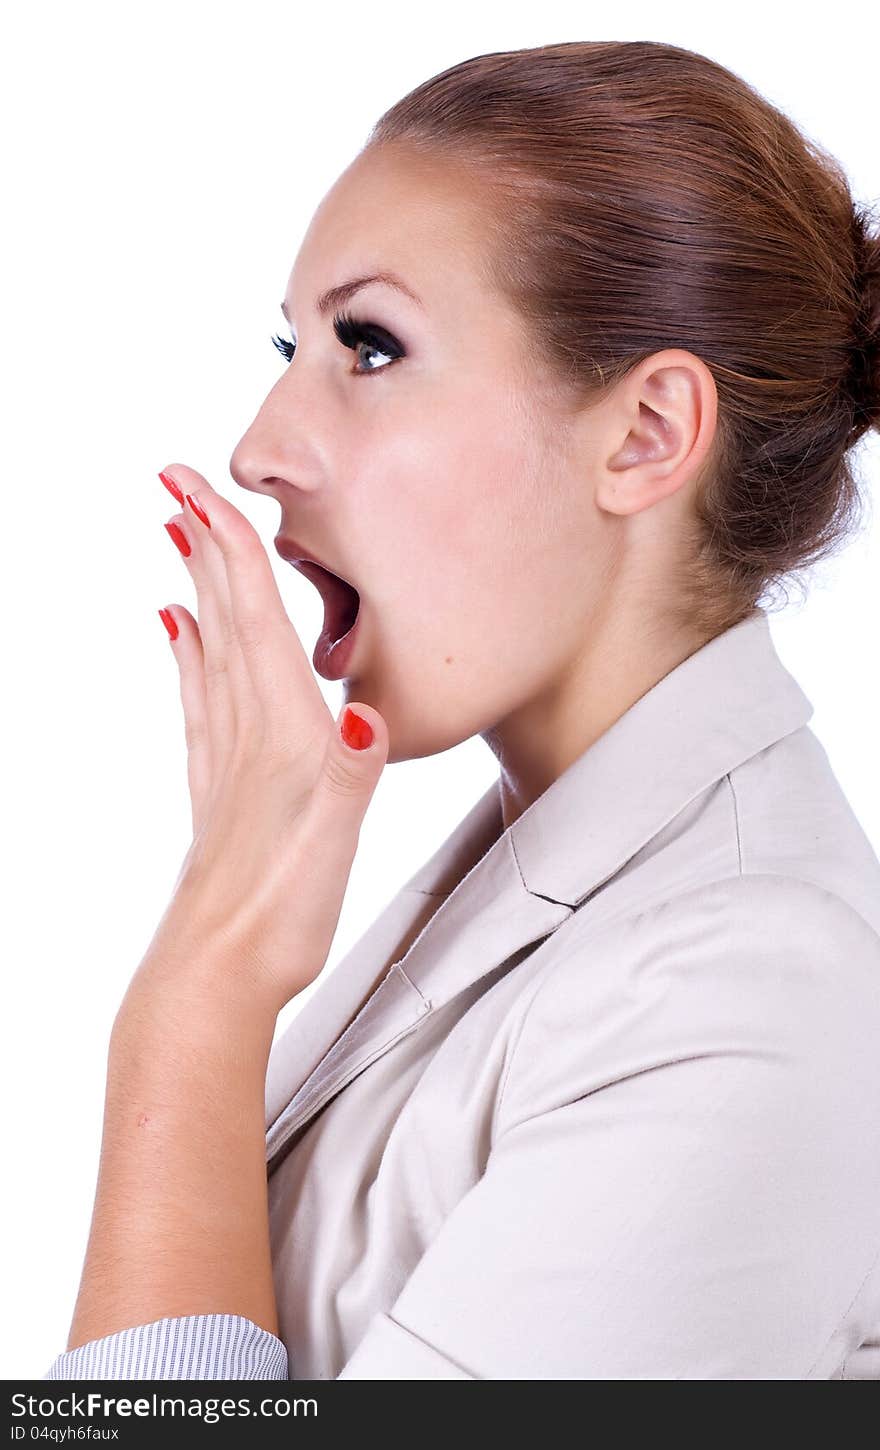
[189, 1347]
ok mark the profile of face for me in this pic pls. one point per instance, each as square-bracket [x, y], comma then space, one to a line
[420, 451]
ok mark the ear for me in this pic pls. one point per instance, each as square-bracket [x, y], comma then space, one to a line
[666, 411]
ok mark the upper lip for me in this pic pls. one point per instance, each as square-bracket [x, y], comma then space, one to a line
[295, 553]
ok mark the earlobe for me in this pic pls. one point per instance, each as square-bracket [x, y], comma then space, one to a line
[636, 489]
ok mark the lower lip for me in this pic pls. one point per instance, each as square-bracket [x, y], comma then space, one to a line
[331, 660]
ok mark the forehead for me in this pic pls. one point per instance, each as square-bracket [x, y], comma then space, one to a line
[393, 210]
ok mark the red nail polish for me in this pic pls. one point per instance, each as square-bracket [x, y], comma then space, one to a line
[169, 622]
[356, 731]
[172, 487]
[179, 538]
[198, 510]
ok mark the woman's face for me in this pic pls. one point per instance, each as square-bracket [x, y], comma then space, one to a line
[438, 483]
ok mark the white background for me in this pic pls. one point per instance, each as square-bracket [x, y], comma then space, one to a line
[161, 165]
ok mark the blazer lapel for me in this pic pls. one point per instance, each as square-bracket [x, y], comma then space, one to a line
[720, 706]
[483, 921]
[335, 1000]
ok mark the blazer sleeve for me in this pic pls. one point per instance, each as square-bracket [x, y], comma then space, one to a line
[188, 1347]
[685, 1157]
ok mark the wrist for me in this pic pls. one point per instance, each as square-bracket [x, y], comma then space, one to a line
[194, 1007]
[207, 977]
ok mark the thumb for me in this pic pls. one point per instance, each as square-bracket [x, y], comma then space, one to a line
[356, 753]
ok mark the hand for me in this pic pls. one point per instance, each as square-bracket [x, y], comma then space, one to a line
[277, 796]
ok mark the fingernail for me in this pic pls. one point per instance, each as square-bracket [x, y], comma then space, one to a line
[198, 510]
[356, 731]
[169, 622]
[180, 539]
[172, 487]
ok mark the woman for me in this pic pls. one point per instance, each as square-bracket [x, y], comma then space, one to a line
[598, 1094]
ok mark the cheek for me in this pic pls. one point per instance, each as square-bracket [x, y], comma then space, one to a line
[436, 487]
[469, 538]
[452, 507]
[470, 483]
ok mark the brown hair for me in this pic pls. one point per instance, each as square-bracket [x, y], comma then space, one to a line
[641, 196]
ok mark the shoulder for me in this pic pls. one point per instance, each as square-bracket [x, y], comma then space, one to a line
[792, 819]
[760, 967]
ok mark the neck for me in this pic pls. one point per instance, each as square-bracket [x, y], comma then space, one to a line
[615, 665]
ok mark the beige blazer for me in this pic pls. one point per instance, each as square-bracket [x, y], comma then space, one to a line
[614, 1111]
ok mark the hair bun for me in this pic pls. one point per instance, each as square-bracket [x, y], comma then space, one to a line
[863, 382]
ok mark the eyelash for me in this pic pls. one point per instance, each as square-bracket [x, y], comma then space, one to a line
[351, 334]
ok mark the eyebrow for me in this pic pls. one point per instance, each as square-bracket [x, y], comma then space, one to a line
[338, 296]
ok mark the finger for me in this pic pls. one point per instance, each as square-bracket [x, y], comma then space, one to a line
[206, 564]
[279, 667]
[234, 709]
[223, 726]
[187, 647]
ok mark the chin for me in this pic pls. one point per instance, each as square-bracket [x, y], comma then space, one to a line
[409, 736]
[420, 738]
[419, 723]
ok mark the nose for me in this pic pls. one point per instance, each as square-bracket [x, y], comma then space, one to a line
[255, 462]
[245, 465]
[269, 456]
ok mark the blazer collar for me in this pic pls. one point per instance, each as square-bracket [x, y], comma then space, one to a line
[721, 705]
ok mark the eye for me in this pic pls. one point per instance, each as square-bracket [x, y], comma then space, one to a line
[356, 336]
[368, 335]
[287, 348]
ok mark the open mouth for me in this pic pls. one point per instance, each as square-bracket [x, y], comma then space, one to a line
[341, 600]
